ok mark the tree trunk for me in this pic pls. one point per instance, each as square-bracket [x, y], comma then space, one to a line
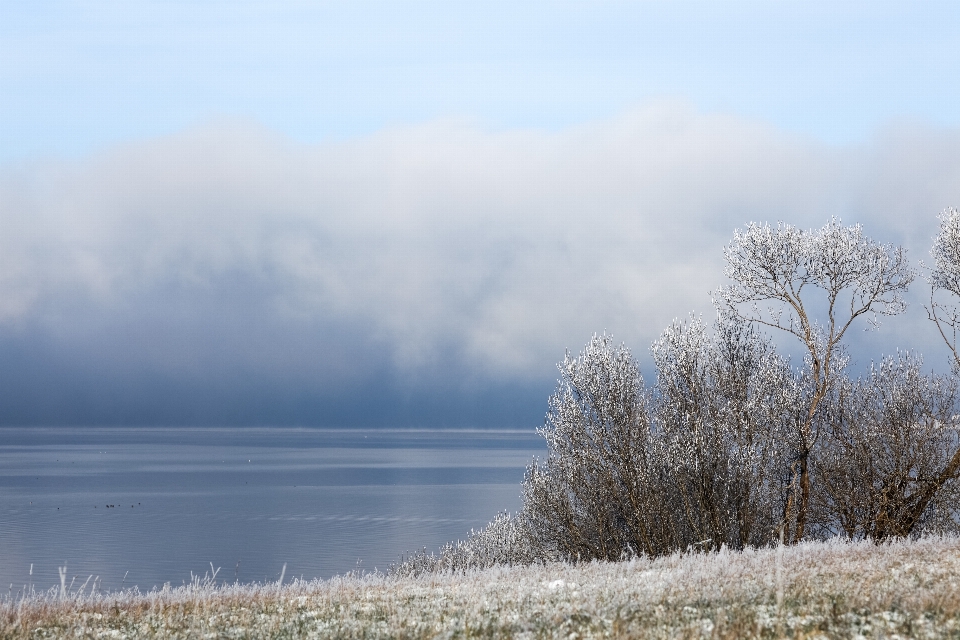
[804, 501]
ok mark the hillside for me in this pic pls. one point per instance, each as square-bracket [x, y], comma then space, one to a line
[832, 590]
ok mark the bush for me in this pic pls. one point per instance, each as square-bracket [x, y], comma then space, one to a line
[595, 496]
[887, 461]
[724, 414]
[504, 541]
[698, 461]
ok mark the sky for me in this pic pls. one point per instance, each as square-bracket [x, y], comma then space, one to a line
[405, 213]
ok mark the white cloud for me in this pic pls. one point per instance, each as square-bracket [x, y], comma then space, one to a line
[444, 243]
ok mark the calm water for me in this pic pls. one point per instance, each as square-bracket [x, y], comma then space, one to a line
[247, 500]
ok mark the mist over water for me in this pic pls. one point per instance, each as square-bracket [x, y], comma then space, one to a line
[248, 500]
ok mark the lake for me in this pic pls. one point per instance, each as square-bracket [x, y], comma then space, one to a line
[144, 507]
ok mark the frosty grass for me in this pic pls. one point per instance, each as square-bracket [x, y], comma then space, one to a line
[906, 589]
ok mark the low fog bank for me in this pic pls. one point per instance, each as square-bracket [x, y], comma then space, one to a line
[425, 276]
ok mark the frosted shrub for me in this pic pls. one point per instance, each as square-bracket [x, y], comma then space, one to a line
[504, 541]
[697, 462]
[597, 495]
[886, 463]
[725, 407]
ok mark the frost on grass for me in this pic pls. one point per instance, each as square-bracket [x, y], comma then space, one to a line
[817, 589]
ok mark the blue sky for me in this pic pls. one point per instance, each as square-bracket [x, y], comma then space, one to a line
[405, 212]
[81, 76]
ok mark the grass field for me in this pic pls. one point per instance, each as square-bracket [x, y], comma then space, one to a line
[908, 589]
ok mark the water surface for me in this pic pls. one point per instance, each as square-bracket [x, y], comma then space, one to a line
[246, 500]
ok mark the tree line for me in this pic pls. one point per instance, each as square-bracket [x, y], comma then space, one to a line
[734, 446]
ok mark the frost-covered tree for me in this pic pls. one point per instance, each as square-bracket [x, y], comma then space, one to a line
[945, 276]
[887, 463]
[812, 285]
